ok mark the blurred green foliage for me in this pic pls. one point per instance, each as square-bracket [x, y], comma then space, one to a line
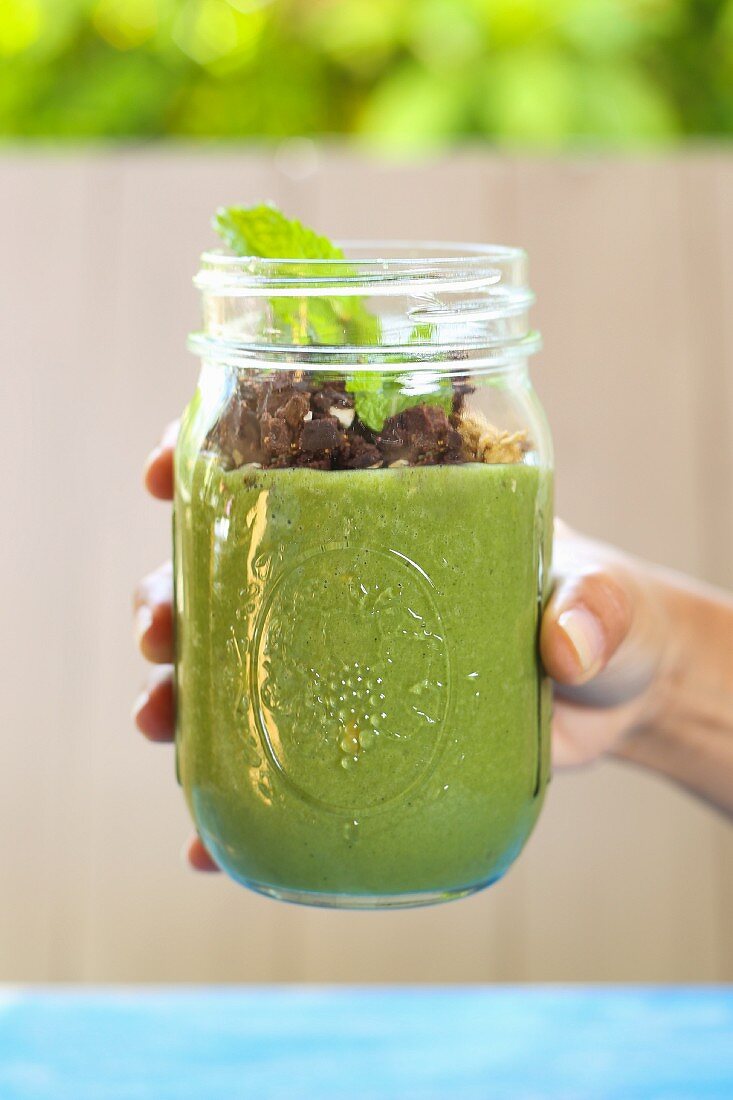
[405, 73]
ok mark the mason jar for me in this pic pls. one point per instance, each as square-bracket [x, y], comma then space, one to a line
[363, 525]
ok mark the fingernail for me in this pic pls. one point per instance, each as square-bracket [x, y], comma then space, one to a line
[138, 705]
[583, 631]
[143, 622]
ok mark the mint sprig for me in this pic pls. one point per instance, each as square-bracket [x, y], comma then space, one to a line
[265, 232]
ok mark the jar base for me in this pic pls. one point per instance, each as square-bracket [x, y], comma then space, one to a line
[364, 901]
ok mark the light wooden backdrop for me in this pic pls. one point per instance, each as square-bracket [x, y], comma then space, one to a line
[632, 261]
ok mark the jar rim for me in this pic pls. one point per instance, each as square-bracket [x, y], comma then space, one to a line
[380, 264]
[437, 252]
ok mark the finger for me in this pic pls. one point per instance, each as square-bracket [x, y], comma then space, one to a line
[158, 474]
[197, 855]
[587, 618]
[154, 712]
[153, 606]
[583, 733]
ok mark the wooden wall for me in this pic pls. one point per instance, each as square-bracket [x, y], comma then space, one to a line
[632, 260]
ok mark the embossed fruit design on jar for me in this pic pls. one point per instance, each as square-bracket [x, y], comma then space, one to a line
[363, 528]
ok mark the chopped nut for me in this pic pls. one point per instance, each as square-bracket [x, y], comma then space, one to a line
[483, 442]
[345, 417]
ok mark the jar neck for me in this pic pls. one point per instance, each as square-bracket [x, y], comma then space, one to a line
[459, 307]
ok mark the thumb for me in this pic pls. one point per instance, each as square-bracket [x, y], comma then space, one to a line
[587, 618]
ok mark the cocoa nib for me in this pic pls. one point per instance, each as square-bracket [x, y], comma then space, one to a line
[320, 435]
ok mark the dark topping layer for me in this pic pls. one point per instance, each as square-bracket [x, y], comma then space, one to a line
[292, 419]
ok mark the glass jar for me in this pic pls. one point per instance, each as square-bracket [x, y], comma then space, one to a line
[363, 524]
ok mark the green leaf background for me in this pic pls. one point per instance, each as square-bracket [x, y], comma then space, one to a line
[404, 74]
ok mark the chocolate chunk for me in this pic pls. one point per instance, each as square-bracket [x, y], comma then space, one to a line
[419, 435]
[275, 437]
[355, 453]
[248, 393]
[275, 392]
[275, 400]
[425, 421]
[392, 440]
[293, 411]
[320, 435]
[238, 435]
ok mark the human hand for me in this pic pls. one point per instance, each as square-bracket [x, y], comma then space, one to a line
[154, 709]
[605, 641]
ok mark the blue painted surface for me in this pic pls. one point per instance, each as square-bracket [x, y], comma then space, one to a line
[226, 1044]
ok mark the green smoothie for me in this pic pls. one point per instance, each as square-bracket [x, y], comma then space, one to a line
[360, 706]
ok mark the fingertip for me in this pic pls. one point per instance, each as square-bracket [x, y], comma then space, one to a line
[142, 623]
[154, 631]
[198, 857]
[154, 709]
[572, 645]
[158, 473]
[585, 622]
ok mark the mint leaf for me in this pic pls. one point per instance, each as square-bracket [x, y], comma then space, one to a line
[265, 231]
[378, 397]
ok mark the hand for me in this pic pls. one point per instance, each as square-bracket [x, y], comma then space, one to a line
[606, 642]
[153, 711]
[602, 640]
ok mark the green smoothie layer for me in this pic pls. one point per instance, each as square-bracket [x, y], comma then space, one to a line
[359, 704]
